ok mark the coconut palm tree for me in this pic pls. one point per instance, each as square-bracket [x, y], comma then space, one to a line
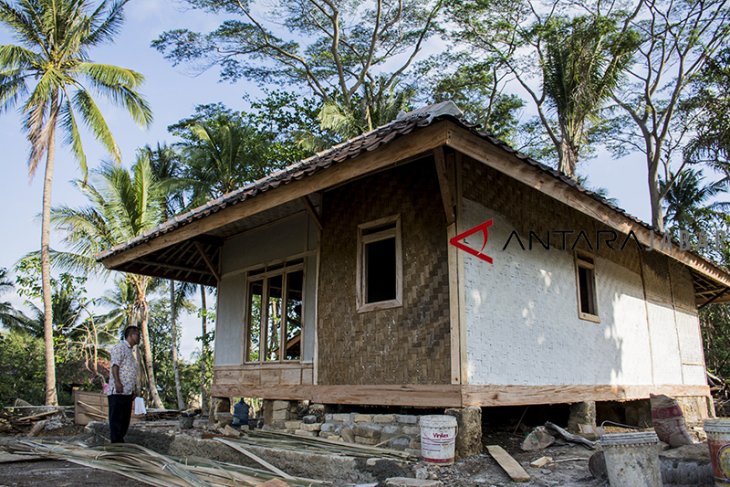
[689, 204]
[122, 206]
[50, 69]
[583, 63]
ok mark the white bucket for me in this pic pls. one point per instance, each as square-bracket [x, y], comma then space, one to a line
[632, 459]
[438, 439]
[718, 440]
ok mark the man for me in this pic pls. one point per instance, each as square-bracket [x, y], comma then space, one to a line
[122, 384]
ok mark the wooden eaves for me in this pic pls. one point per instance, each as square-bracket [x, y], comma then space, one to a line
[176, 245]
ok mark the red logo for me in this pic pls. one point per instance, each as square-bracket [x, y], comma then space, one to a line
[459, 240]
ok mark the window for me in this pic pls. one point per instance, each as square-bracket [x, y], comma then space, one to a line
[274, 314]
[379, 264]
[586, 284]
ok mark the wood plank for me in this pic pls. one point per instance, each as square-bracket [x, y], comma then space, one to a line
[447, 197]
[509, 464]
[312, 212]
[518, 395]
[495, 157]
[213, 269]
[420, 142]
[463, 355]
[290, 377]
[454, 324]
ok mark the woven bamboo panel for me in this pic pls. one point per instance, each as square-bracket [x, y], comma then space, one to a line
[683, 291]
[529, 210]
[657, 284]
[409, 344]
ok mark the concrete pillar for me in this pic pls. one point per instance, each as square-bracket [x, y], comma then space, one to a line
[276, 413]
[469, 436]
[582, 413]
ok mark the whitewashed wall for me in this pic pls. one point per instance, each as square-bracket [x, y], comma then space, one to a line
[284, 238]
[523, 327]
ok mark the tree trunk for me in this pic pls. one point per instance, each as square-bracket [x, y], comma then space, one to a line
[657, 216]
[568, 159]
[50, 356]
[204, 350]
[173, 332]
[143, 306]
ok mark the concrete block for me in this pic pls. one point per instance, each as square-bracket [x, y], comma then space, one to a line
[280, 405]
[363, 418]
[347, 435]
[342, 418]
[406, 418]
[581, 413]
[384, 418]
[329, 417]
[280, 414]
[469, 433]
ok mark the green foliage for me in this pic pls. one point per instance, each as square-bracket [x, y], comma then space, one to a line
[9, 316]
[349, 55]
[21, 368]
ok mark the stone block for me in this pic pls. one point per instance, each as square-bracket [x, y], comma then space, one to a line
[400, 443]
[310, 419]
[342, 418]
[280, 414]
[313, 434]
[469, 433]
[311, 427]
[414, 443]
[368, 430]
[280, 405]
[538, 439]
[329, 417]
[292, 425]
[363, 418]
[347, 435]
[366, 441]
[384, 418]
[391, 430]
[406, 418]
[412, 430]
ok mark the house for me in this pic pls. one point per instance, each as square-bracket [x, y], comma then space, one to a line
[427, 264]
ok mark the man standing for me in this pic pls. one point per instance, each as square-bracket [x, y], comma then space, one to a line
[122, 384]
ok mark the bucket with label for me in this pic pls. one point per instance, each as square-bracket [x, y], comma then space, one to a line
[718, 440]
[438, 439]
[632, 459]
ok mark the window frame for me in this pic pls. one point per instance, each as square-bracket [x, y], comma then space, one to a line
[263, 274]
[584, 260]
[364, 238]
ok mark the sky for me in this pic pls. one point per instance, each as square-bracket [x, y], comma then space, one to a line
[173, 93]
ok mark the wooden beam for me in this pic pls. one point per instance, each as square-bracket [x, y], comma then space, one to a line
[447, 195]
[207, 261]
[508, 464]
[420, 142]
[312, 211]
[454, 323]
[170, 266]
[487, 153]
[514, 395]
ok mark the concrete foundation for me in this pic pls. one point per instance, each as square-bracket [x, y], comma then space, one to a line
[582, 413]
[469, 433]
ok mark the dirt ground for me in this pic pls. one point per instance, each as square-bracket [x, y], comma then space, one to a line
[569, 467]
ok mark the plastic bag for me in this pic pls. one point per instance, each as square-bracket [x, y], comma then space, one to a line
[139, 407]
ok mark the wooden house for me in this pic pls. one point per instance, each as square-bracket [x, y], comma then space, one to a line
[427, 264]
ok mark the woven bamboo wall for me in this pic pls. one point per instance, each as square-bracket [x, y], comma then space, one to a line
[405, 345]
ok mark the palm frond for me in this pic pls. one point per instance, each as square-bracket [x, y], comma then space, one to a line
[12, 86]
[103, 30]
[94, 119]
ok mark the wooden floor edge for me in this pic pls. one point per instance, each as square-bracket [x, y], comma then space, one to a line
[454, 395]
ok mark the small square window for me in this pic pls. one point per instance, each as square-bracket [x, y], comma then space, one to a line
[586, 287]
[379, 265]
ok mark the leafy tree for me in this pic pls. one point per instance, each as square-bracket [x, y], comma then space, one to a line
[677, 39]
[477, 88]
[21, 368]
[122, 206]
[350, 55]
[576, 61]
[54, 37]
